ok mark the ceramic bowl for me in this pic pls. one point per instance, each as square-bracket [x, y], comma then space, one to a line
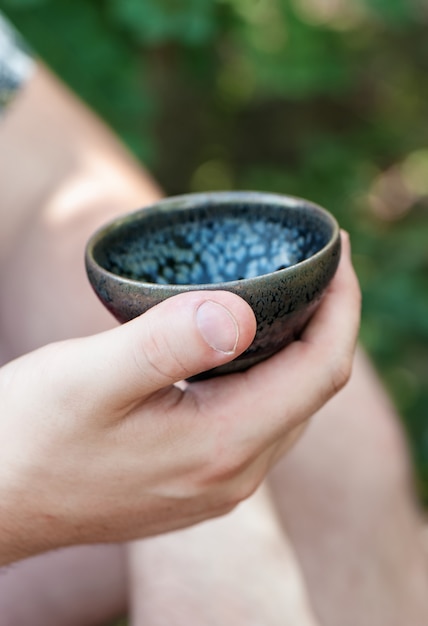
[277, 252]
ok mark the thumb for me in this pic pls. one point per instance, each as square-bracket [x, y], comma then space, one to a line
[180, 337]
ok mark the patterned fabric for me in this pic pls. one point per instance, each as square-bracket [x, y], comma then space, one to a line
[16, 64]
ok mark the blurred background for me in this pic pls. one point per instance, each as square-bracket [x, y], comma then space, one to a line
[326, 99]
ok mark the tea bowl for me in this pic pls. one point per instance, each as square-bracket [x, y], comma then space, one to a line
[278, 252]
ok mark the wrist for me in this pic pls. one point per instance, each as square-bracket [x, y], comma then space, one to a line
[25, 530]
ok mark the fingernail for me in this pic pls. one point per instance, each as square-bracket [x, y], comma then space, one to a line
[217, 326]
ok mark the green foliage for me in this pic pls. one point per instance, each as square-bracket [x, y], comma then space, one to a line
[155, 22]
[325, 100]
[22, 3]
[396, 12]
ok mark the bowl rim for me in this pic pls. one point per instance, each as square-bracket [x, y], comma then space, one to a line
[188, 201]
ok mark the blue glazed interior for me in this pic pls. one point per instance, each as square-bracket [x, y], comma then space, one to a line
[212, 244]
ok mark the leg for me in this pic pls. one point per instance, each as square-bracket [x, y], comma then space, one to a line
[236, 570]
[345, 495]
[80, 586]
[73, 176]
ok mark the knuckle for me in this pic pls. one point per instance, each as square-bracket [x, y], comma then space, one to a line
[231, 470]
[246, 489]
[234, 482]
[228, 467]
[227, 502]
[341, 373]
[156, 358]
[226, 456]
[241, 490]
[150, 360]
[222, 508]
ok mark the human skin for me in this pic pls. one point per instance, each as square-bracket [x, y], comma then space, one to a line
[239, 569]
[346, 497]
[62, 174]
[73, 175]
[348, 519]
[81, 417]
[105, 447]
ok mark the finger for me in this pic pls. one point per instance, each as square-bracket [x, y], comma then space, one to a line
[269, 400]
[179, 338]
[330, 326]
[315, 367]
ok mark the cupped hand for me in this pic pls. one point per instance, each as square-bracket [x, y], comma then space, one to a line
[99, 443]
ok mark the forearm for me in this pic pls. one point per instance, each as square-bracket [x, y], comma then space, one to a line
[62, 174]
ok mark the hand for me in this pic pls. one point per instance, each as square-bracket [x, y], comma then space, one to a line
[99, 444]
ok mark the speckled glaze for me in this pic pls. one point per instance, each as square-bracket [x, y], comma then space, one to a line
[277, 252]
